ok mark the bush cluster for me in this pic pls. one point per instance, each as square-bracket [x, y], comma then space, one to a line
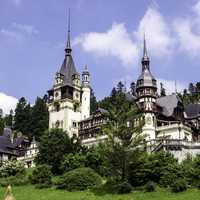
[12, 168]
[79, 179]
[179, 185]
[14, 181]
[41, 176]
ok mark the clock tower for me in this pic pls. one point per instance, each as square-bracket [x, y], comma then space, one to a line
[146, 92]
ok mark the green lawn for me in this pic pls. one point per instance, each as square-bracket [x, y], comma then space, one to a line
[30, 193]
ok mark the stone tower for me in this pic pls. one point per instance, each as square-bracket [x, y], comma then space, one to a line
[69, 100]
[146, 92]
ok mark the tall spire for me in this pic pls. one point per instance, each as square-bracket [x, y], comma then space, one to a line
[145, 58]
[68, 46]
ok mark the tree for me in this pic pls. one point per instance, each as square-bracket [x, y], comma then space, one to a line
[2, 125]
[9, 119]
[53, 146]
[162, 90]
[133, 87]
[121, 87]
[23, 117]
[123, 137]
[93, 102]
[191, 88]
[198, 87]
[39, 118]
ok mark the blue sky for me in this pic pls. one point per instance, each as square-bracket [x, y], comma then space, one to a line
[106, 35]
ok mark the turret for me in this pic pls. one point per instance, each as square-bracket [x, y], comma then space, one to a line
[85, 93]
[146, 93]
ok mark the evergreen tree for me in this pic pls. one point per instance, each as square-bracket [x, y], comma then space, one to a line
[121, 87]
[2, 125]
[23, 117]
[123, 137]
[9, 119]
[133, 87]
[39, 118]
[198, 87]
[53, 146]
[191, 88]
[93, 102]
[162, 90]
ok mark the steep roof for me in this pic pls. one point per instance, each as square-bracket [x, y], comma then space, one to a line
[68, 69]
[6, 145]
[192, 110]
[168, 104]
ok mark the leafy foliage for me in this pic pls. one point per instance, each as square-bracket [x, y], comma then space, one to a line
[23, 117]
[54, 145]
[41, 176]
[179, 185]
[12, 168]
[79, 179]
[39, 118]
[150, 186]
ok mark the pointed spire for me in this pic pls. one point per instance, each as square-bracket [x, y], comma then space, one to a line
[145, 58]
[145, 48]
[68, 46]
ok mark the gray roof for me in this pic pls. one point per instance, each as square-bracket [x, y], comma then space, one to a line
[192, 110]
[147, 79]
[68, 69]
[6, 145]
[168, 104]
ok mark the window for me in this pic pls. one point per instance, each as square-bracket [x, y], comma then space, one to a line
[74, 124]
[57, 124]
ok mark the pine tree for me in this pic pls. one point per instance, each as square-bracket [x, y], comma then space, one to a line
[93, 102]
[162, 90]
[39, 118]
[123, 136]
[22, 117]
[133, 87]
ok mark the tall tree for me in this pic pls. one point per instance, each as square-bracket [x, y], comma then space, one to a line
[121, 87]
[191, 88]
[133, 87]
[53, 146]
[93, 102]
[39, 118]
[123, 137]
[162, 90]
[9, 119]
[22, 117]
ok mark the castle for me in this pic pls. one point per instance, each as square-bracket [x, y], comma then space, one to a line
[168, 124]
[69, 99]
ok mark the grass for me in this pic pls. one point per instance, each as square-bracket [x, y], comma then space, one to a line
[30, 193]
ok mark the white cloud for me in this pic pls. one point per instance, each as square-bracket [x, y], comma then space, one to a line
[24, 28]
[157, 31]
[171, 85]
[10, 34]
[19, 32]
[7, 102]
[188, 32]
[114, 42]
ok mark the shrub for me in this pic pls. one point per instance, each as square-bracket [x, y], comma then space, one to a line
[13, 180]
[79, 179]
[41, 175]
[170, 174]
[150, 187]
[73, 161]
[12, 168]
[123, 188]
[179, 185]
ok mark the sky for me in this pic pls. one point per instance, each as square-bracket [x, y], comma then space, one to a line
[105, 35]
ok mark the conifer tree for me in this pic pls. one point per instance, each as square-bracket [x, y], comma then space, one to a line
[39, 118]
